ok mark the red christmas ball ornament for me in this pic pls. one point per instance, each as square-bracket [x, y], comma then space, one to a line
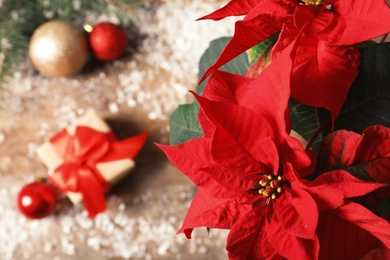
[37, 200]
[108, 41]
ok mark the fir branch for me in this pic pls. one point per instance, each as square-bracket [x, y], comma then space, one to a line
[20, 18]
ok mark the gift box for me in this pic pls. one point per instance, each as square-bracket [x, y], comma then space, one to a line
[85, 159]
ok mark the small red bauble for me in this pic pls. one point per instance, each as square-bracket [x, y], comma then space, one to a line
[37, 200]
[108, 41]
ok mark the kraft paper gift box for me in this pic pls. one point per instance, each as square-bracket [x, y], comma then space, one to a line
[112, 171]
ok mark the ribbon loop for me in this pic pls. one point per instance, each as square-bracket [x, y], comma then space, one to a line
[81, 153]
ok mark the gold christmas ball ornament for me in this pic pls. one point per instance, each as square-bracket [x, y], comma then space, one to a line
[58, 49]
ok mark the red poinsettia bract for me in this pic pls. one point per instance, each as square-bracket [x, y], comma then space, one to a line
[245, 167]
[267, 96]
[325, 34]
[368, 158]
[243, 186]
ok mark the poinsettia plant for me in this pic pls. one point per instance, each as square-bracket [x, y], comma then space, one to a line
[288, 139]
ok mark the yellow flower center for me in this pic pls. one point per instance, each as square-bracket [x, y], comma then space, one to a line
[271, 186]
[313, 2]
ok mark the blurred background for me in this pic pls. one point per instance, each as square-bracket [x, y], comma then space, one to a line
[133, 92]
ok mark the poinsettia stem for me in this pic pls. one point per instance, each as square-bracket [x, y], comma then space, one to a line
[384, 37]
[317, 132]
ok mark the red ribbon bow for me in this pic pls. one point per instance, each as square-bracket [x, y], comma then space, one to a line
[81, 153]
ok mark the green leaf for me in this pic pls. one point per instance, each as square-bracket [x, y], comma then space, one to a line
[263, 47]
[368, 101]
[306, 120]
[238, 65]
[184, 123]
[384, 209]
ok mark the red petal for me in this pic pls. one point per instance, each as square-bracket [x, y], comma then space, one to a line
[358, 21]
[365, 219]
[197, 150]
[312, 19]
[208, 127]
[366, 157]
[244, 240]
[338, 148]
[239, 130]
[207, 211]
[374, 151]
[226, 87]
[287, 36]
[297, 213]
[332, 188]
[265, 19]
[311, 168]
[279, 9]
[234, 176]
[268, 95]
[340, 239]
[233, 8]
[322, 74]
[260, 95]
[265, 156]
[291, 150]
[348, 185]
[289, 246]
[247, 34]
[216, 189]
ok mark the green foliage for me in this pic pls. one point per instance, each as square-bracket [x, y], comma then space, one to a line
[306, 120]
[19, 19]
[262, 48]
[184, 123]
[369, 97]
[384, 209]
[239, 65]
